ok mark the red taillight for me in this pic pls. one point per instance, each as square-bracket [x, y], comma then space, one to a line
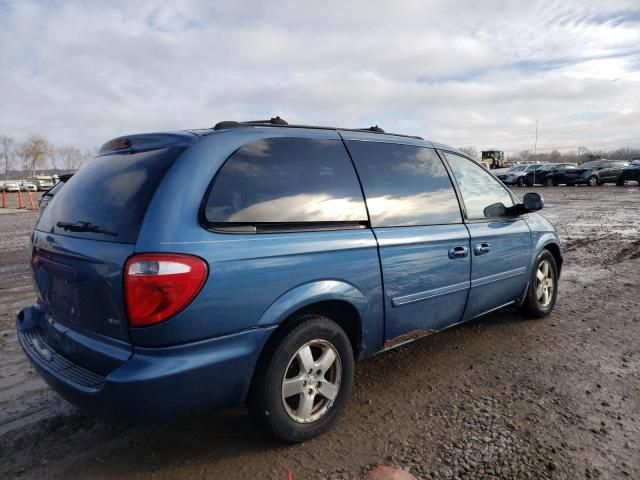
[159, 285]
[121, 143]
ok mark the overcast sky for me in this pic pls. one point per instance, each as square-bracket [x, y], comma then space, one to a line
[465, 73]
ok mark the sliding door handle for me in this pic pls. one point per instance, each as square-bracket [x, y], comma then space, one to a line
[481, 248]
[458, 252]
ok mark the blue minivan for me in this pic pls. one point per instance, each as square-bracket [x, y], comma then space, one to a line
[256, 261]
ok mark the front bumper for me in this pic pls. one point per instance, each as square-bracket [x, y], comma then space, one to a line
[154, 384]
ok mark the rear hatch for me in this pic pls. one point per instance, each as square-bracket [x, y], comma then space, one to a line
[83, 239]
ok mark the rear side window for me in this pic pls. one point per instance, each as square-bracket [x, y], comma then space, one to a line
[286, 183]
[404, 185]
[107, 198]
[483, 195]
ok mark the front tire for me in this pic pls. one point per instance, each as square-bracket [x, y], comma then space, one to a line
[543, 286]
[520, 182]
[593, 181]
[548, 182]
[303, 380]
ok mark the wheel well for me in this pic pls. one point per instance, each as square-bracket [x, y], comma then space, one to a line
[555, 251]
[341, 312]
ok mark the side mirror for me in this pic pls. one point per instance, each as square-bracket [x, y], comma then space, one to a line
[495, 210]
[532, 202]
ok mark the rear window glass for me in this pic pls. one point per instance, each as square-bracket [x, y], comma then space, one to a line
[109, 195]
[286, 181]
[404, 185]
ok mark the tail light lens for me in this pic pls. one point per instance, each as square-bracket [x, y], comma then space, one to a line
[157, 286]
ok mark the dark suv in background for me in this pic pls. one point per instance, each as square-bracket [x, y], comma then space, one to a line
[549, 175]
[630, 172]
[596, 172]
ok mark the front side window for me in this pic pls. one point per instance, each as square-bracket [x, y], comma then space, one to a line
[404, 185]
[286, 181]
[483, 195]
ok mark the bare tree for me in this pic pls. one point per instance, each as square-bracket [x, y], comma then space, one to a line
[8, 155]
[34, 153]
[524, 156]
[471, 151]
[71, 157]
[54, 159]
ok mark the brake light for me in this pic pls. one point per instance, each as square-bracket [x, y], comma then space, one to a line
[120, 143]
[159, 285]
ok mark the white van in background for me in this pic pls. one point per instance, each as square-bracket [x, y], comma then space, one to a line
[42, 182]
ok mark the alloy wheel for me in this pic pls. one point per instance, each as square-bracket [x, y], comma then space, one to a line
[311, 381]
[544, 283]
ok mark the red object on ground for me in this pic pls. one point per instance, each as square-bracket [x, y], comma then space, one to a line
[20, 204]
[383, 472]
[289, 475]
[31, 204]
[4, 199]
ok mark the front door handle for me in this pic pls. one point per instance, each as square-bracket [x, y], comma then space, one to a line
[458, 252]
[481, 248]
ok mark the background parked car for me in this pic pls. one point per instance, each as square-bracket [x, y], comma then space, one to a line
[28, 187]
[516, 175]
[42, 182]
[49, 194]
[597, 172]
[630, 172]
[11, 187]
[549, 175]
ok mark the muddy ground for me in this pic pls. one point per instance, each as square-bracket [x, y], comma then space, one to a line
[501, 397]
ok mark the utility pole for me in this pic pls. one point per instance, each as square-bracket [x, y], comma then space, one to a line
[535, 152]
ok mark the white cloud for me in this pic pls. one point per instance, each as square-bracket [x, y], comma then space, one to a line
[466, 72]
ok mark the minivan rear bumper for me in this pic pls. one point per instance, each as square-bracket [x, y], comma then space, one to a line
[154, 384]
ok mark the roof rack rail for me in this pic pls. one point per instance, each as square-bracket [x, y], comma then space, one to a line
[375, 129]
[279, 122]
[233, 124]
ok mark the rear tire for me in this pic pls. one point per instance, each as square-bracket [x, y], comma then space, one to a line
[592, 181]
[303, 380]
[548, 182]
[620, 182]
[543, 287]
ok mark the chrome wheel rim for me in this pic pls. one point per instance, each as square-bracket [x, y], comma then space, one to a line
[544, 283]
[311, 381]
[593, 181]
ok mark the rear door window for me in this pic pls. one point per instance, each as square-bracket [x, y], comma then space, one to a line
[404, 185]
[107, 198]
[286, 184]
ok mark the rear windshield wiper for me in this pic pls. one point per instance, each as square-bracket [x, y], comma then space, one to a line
[84, 227]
